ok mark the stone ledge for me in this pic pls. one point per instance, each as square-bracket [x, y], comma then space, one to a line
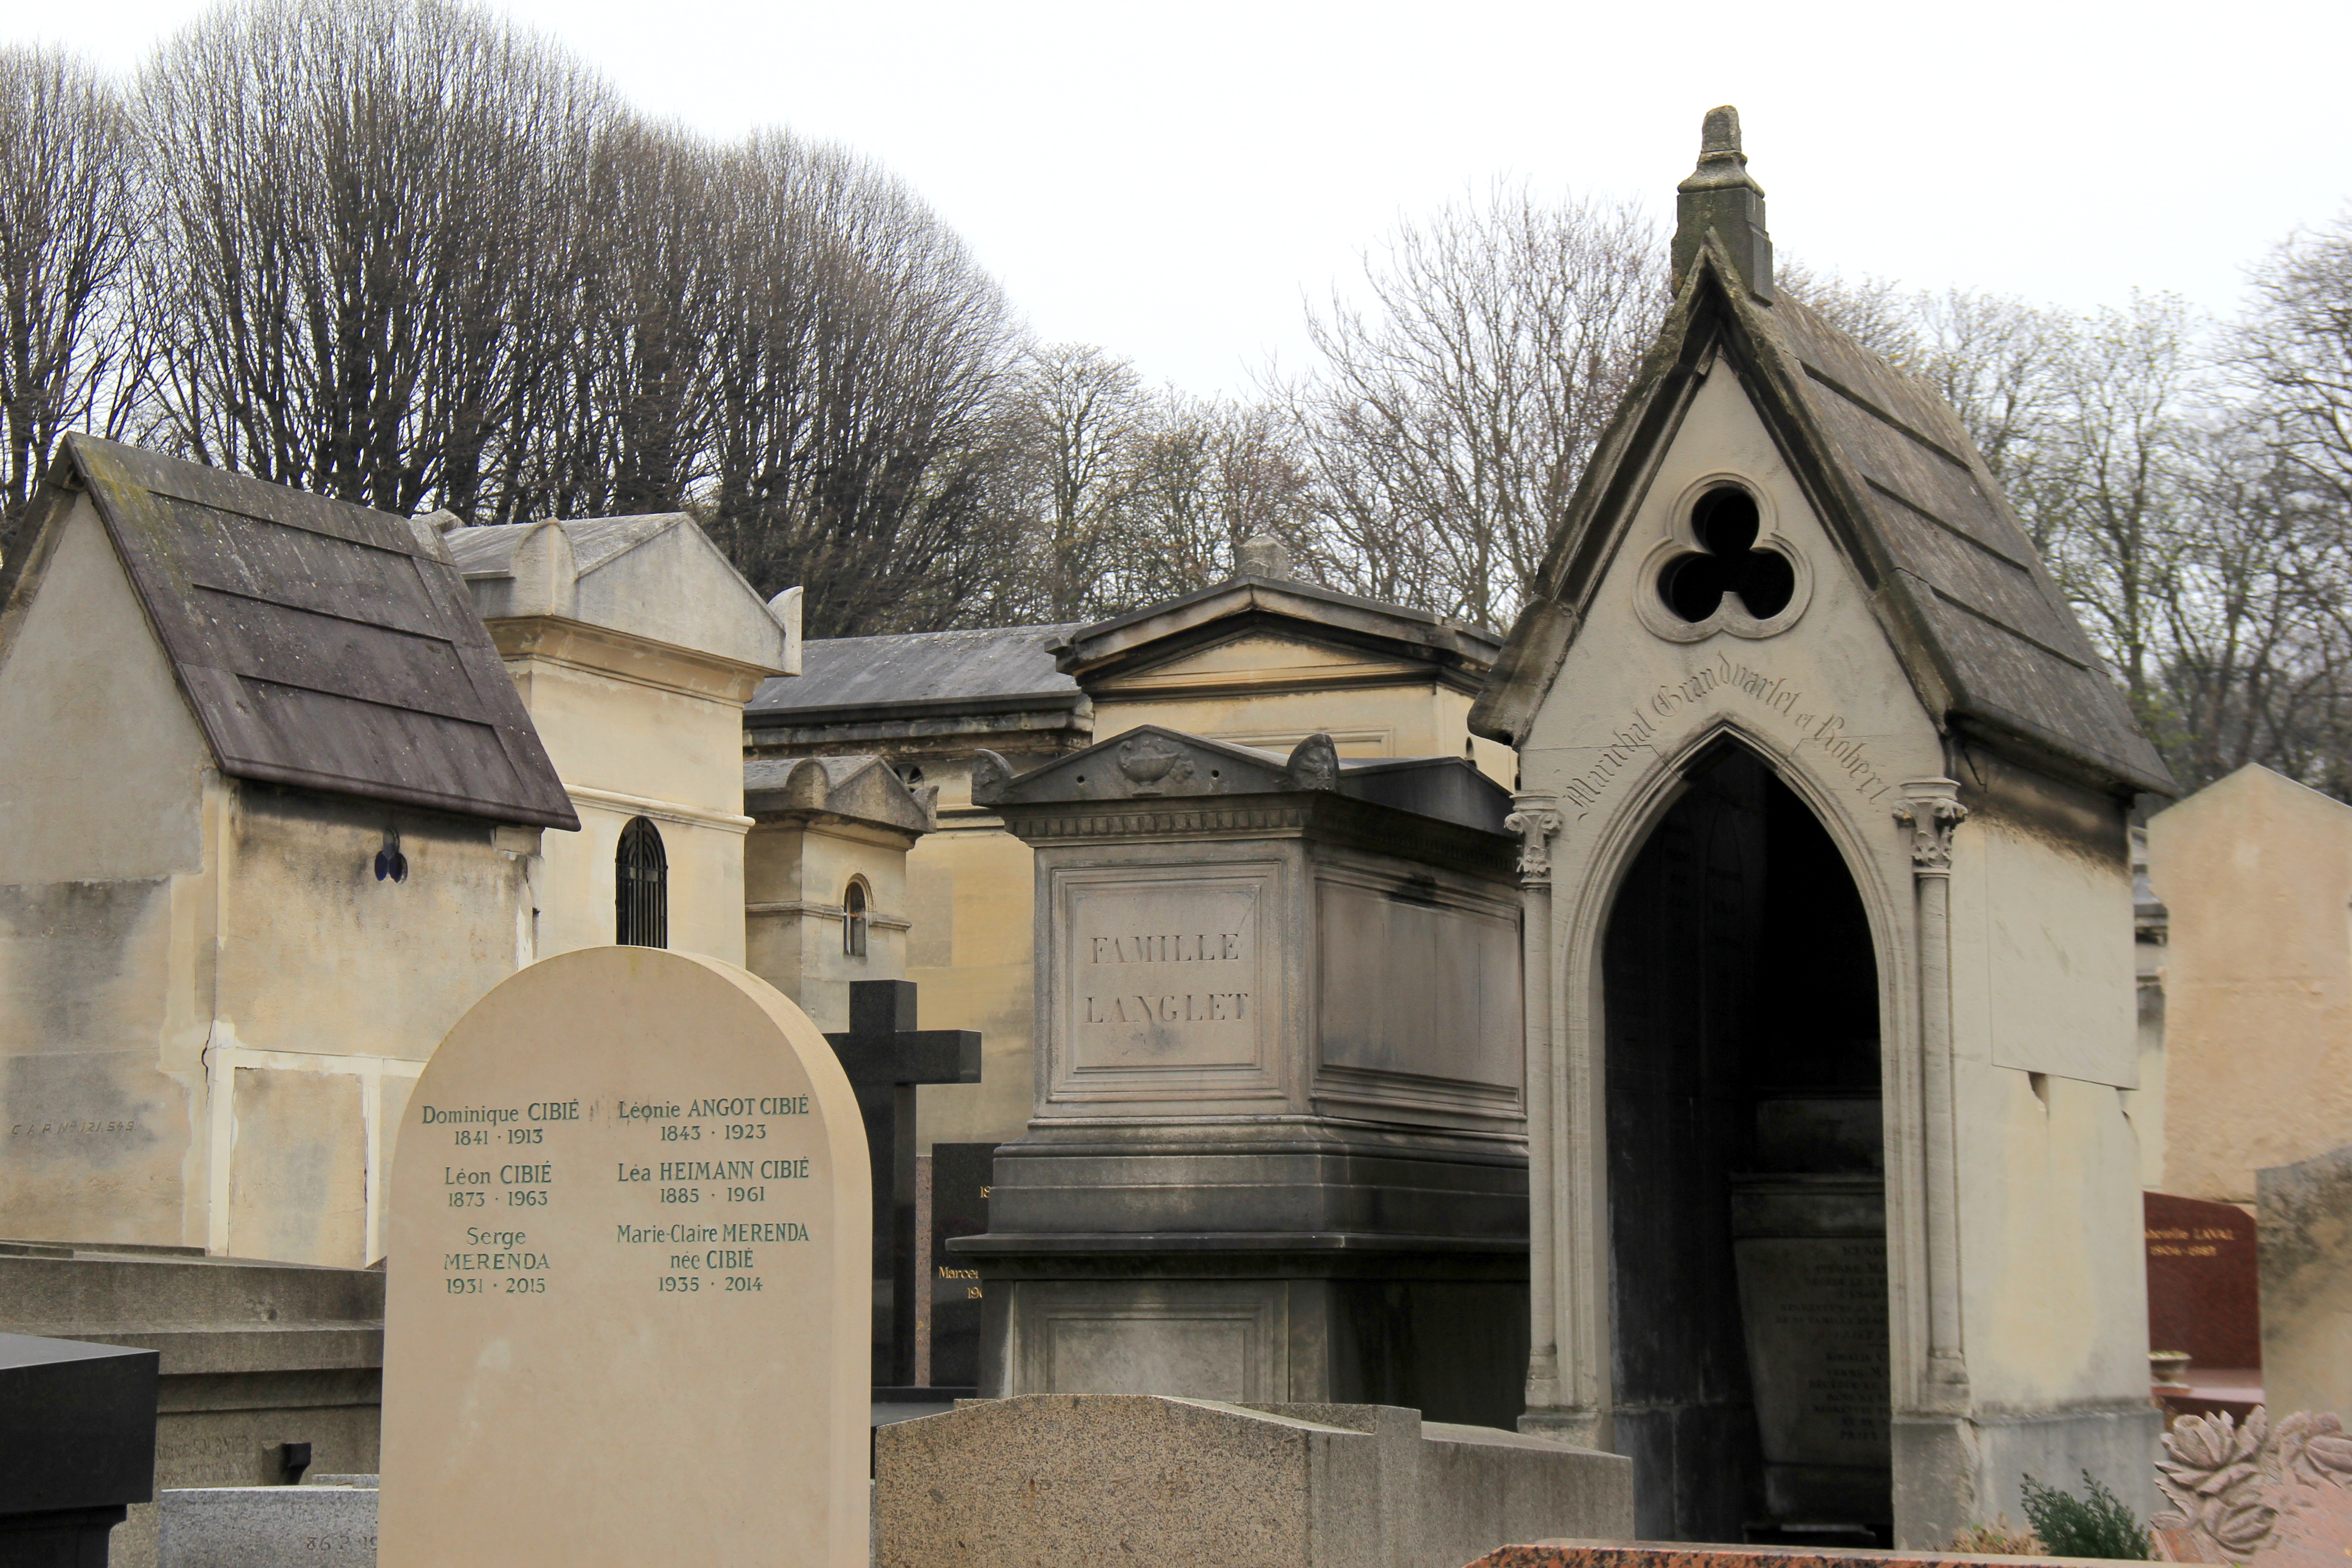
[1664, 1555]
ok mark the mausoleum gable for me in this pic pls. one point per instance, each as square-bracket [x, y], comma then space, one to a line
[320, 644]
[1250, 605]
[1983, 631]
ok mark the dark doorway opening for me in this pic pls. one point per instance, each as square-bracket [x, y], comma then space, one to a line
[1747, 1231]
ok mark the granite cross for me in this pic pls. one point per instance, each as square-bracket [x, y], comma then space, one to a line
[882, 1049]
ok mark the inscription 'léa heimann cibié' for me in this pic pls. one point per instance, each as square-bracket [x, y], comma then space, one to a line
[733, 1265]
[1153, 1005]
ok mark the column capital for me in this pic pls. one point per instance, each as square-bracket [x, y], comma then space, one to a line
[1534, 817]
[1931, 808]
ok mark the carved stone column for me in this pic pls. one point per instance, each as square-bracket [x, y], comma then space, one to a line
[1535, 822]
[1932, 809]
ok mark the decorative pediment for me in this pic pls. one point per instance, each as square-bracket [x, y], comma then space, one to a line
[1152, 762]
[1985, 637]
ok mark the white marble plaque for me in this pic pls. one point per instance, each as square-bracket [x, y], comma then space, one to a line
[627, 1311]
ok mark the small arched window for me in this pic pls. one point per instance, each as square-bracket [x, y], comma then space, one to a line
[641, 886]
[853, 920]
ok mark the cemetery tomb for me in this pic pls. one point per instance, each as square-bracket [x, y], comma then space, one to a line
[627, 1307]
[76, 1446]
[1824, 802]
[961, 1175]
[1274, 1152]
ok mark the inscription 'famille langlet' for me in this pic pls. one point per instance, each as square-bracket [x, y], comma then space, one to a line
[1215, 947]
[1193, 1007]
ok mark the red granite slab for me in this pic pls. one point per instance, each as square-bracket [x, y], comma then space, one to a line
[2203, 1292]
[1675, 1554]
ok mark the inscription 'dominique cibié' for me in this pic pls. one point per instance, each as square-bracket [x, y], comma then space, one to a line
[1151, 1005]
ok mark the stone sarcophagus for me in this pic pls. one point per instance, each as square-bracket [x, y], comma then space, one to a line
[1277, 1147]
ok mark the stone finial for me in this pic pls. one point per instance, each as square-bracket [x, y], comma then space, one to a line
[1721, 196]
[1315, 762]
[1262, 555]
[989, 774]
[807, 786]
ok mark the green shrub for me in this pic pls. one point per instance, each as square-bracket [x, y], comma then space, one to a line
[2099, 1526]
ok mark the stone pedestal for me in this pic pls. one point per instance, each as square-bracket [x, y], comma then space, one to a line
[1275, 1151]
[1008, 1483]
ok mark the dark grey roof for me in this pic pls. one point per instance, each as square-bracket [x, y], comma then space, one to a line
[1986, 636]
[320, 644]
[993, 665]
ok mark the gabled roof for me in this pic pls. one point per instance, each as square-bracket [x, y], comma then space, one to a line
[1985, 636]
[655, 576]
[1151, 763]
[320, 644]
[972, 670]
[1251, 604]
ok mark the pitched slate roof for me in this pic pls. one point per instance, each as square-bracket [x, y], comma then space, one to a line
[1984, 633]
[999, 666]
[320, 644]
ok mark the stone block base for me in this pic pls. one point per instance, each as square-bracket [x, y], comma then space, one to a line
[1447, 1336]
[266, 1527]
[1114, 1478]
[1643, 1554]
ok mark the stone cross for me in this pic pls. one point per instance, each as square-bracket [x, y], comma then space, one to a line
[883, 1050]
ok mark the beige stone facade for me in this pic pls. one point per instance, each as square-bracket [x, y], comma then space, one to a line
[278, 812]
[635, 646]
[2256, 873]
[211, 1002]
[1261, 661]
[1831, 1007]
[825, 876]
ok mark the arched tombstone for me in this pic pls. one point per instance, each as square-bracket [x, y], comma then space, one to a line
[1824, 802]
[628, 1304]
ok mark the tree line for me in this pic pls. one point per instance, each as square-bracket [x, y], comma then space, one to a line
[412, 255]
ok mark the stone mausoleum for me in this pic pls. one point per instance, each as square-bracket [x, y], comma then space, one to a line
[1276, 1146]
[1824, 803]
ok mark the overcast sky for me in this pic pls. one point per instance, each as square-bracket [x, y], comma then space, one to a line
[1174, 181]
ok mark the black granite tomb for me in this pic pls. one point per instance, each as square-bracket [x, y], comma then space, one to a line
[961, 1175]
[77, 1448]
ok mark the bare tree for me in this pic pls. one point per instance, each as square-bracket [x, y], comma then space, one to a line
[1078, 421]
[2293, 350]
[355, 202]
[856, 373]
[1449, 418]
[614, 414]
[69, 224]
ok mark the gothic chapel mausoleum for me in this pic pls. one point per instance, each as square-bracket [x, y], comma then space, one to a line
[1824, 798]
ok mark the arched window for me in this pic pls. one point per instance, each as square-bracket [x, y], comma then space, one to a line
[853, 921]
[641, 886]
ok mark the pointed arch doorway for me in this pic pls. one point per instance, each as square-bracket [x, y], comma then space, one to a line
[1746, 1212]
